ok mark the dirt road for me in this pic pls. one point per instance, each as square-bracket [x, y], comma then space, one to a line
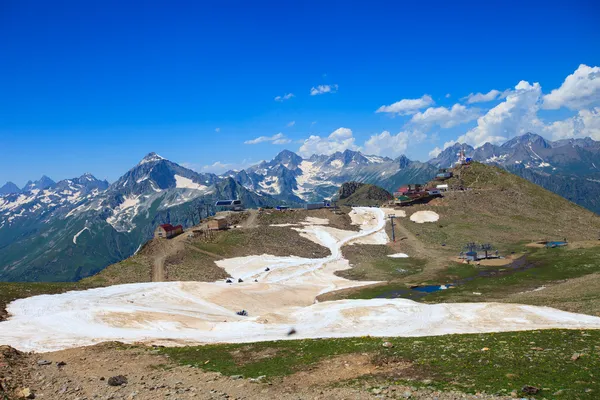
[167, 247]
[251, 221]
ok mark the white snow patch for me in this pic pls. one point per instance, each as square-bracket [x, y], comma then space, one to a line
[421, 217]
[122, 217]
[337, 163]
[271, 185]
[315, 221]
[374, 159]
[186, 183]
[398, 255]
[153, 158]
[283, 225]
[79, 233]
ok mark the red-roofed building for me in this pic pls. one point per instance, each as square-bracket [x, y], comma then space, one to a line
[168, 231]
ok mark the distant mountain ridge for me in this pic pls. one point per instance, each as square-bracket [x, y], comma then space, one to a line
[76, 227]
[289, 177]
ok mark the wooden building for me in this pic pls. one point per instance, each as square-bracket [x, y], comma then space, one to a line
[167, 231]
[217, 224]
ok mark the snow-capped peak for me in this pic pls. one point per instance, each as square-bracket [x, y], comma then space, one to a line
[151, 157]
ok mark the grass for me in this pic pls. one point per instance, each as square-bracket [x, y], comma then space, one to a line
[131, 270]
[491, 363]
[548, 266]
[371, 262]
[501, 209]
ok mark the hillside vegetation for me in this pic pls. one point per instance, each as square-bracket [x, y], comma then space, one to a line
[502, 209]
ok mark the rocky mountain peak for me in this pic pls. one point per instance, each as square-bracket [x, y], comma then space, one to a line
[403, 161]
[41, 184]
[9, 188]
[288, 158]
[151, 157]
[527, 139]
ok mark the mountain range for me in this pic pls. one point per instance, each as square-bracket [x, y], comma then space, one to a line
[66, 230]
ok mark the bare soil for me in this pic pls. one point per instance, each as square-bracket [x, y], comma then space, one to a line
[84, 373]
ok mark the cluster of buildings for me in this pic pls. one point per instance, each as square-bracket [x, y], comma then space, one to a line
[419, 193]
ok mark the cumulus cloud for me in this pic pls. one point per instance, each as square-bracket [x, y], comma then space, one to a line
[447, 95]
[435, 152]
[321, 89]
[580, 89]
[584, 123]
[485, 97]
[217, 130]
[218, 167]
[291, 123]
[286, 96]
[339, 140]
[445, 117]
[386, 144]
[275, 139]
[407, 106]
[514, 116]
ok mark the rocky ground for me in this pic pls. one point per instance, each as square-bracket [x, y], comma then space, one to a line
[114, 371]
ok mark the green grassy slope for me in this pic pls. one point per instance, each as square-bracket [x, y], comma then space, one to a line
[500, 363]
[502, 209]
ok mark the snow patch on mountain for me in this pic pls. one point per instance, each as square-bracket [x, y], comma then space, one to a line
[152, 157]
[79, 233]
[182, 182]
[271, 185]
[124, 213]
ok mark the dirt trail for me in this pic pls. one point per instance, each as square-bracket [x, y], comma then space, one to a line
[166, 248]
[251, 221]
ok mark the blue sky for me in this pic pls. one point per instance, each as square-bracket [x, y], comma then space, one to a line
[94, 86]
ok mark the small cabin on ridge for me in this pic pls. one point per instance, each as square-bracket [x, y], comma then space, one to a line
[167, 231]
[217, 223]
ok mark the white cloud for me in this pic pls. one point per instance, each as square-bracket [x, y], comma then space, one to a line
[447, 95]
[321, 89]
[339, 140]
[580, 89]
[584, 123]
[514, 116]
[286, 96]
[435, 152]
[386, 144]
[291, 123]
[485, 97]
[407, 106]
[217, 130]
[418, 136]
[444, 117]
[219, 167]
[275, 139]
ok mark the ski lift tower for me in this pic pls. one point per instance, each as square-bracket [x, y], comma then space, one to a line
[462, 158]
